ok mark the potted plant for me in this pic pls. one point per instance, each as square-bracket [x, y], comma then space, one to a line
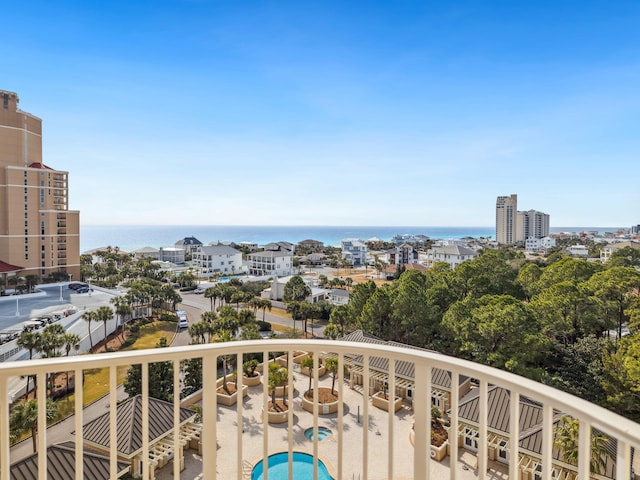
[306, 367]
[277, 410]
[381, 399]
[227, 387]
[439, 447]
[327, 397]
[251, 377]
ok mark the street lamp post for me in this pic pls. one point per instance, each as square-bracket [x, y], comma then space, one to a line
[17, 306]
[61, 297]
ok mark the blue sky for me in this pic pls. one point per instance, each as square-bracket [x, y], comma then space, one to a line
[334, 113]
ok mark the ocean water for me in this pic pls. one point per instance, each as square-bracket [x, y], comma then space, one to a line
[128, 237]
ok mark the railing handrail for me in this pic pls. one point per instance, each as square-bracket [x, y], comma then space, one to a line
[602, 419]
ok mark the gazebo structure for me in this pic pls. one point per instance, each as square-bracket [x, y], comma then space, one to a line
[61, 465]
[161, 439]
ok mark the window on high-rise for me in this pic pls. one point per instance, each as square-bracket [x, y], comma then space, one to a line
[5, 100]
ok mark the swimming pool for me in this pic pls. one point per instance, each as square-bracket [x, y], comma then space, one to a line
[279, 467]
[323, 433]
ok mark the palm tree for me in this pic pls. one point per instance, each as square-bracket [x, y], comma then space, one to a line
[567, 441]
[32, 281]
[212, 294]
[24, 417]
[88, 317]
[123, 309]
[331, 364]
[199, 332]
[15, 281]
[30, 341]
[308, 364]
[50, 344]
[225, 336]
[278, 377]
[262, 304]
[246, 316]
[104, 314]
[208, 317]
[70, 340]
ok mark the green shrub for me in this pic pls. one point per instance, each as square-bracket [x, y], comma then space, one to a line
[168, 317]
[264, 326]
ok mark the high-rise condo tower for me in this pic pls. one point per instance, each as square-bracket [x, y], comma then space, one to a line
[39, 235]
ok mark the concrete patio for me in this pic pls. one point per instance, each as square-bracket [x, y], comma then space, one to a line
[327, 449]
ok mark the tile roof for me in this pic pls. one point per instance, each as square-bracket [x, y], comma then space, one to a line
[40, 165]
[61, 465]
[129, 424]
[7, 267]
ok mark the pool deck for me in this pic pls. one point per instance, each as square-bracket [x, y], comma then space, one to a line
[378, 438]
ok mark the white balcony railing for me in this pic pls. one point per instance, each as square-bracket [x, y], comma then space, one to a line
[216, 437]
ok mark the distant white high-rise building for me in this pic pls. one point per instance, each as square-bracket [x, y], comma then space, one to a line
[531, 224]
[506, 219]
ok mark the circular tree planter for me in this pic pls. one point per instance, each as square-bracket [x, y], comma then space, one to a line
[327, 401]
[256, 379]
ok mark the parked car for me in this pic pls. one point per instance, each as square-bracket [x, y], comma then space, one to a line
[77, 285]
[84, 289]
[199, 291]
[183, 322]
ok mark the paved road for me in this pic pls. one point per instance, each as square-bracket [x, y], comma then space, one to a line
[194, 305]
[199, 303]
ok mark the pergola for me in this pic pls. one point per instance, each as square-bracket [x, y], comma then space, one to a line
[534, 466]
[526, 463]
[161, 451]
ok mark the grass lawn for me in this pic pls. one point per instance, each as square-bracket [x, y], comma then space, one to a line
[96, 381]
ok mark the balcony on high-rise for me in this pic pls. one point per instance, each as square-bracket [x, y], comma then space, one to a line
[386, 405]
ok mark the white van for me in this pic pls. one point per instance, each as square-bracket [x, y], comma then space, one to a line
[182, 319]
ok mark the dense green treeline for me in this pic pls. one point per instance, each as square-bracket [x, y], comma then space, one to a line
[560, 322]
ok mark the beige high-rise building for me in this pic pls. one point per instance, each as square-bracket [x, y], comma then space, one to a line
[38, 233]
[506, 219]
[532, 224]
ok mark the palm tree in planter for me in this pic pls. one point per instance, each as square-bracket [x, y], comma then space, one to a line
[308, 364]
[225, 336]
[326, 397]
[331, 365]
[438, 433]
[249, 370]
[278, 377]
